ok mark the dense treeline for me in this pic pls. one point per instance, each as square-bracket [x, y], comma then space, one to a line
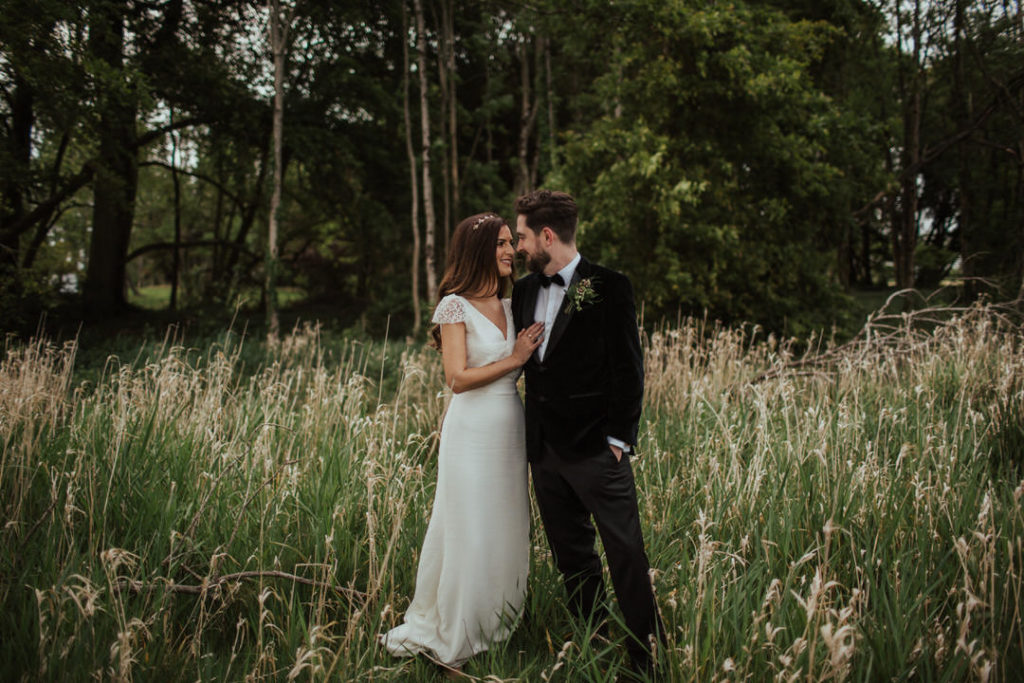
[753, 159]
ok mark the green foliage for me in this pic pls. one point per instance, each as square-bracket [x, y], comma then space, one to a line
[23, 295]
[707, 178]
[741, 159]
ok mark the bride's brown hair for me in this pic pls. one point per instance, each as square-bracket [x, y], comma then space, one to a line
[472, 264]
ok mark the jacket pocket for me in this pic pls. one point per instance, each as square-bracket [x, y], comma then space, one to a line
[588, 394]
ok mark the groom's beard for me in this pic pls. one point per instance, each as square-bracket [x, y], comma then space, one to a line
[536, 263]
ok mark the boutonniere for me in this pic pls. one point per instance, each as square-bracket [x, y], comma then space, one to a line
[580, 295]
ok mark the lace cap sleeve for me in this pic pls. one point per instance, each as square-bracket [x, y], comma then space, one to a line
[449, 310]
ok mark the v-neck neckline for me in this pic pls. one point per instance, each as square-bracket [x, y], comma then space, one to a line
[504, 313]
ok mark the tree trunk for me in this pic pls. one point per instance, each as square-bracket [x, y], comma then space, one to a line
[1020, 169]
[905, 233]
[13, 205]
[488, 126]
[413, 184]
[893, 215]
[428, 199]
[176, 254]
[527, 119]
[442, 82]
[116, 176]
[907, 229]
[248, 221]
[1020, 221]
[278, 38]
[964, 115]
[866, 241]
[535, 163]
[218, 218]
[523, 174]
[844, 255]
[453, 118]
[550, 99]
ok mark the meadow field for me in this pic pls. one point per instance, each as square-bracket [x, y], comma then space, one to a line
[237, 511]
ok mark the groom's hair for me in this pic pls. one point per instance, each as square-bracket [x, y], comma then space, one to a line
[556, 210]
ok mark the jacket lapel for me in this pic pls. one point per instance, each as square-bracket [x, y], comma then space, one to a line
[562, 318]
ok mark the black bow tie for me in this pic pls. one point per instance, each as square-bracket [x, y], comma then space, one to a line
[546, 281]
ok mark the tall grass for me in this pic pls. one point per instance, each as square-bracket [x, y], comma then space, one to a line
[183, 515]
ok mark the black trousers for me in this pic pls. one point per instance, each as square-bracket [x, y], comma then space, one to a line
[570, 494]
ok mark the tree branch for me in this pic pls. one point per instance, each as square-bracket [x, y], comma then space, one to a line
[891, 330]
[933, 152]
[134, 586]
[985, 142]
[43, 209]
[205, 178]
[158, 246]
[84, 177]
[158, 133]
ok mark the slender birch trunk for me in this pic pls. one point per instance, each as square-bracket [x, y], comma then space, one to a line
[964, 116]
[413, 183]
[278, 38]
[176, 183]
[552, 151]
[442, 82]
[453, 111]
[527, 120]
[428, 199]
[905, 232]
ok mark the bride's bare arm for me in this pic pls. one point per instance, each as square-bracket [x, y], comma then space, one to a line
[453, 352]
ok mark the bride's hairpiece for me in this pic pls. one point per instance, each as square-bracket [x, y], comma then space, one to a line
[482, 219]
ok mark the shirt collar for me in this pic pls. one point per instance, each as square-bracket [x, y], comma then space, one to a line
[570, 269]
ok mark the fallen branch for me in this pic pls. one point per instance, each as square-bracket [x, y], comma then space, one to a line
[135, 586]
[42, 517]
[890, 330]
[450, 672]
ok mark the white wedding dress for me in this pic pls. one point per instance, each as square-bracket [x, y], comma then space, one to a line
[471, 580]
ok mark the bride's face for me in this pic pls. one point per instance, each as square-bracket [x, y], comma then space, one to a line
[506, 252]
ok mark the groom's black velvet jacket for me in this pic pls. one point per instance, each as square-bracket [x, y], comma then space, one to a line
[591, 383]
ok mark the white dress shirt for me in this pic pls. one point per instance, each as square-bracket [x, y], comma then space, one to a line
[549, 300]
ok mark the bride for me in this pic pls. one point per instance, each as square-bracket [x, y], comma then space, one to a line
[471, 579]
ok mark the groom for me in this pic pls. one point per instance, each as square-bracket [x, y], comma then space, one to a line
[584, 389]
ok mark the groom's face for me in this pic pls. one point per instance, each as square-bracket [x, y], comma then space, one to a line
[531, 246]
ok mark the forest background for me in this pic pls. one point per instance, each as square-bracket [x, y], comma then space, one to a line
[755, 161]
